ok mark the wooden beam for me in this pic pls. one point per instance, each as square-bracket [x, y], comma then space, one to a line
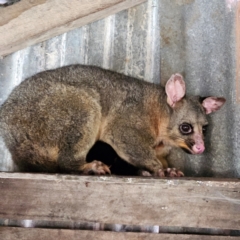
[114, 200]
[32, 21]
[7, 233]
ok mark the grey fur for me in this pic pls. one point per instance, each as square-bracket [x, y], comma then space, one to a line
[51, 120]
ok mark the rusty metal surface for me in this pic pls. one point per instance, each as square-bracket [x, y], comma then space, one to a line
[197, 38]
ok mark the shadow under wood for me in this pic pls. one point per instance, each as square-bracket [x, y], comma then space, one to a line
[96, 226]
[105, 153]
[5, 3]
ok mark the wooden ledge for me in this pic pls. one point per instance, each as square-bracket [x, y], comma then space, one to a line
[200, 203]
[32, 21]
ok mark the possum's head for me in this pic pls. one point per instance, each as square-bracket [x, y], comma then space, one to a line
[188, 121]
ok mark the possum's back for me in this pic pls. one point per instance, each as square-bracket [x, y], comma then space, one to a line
[46, 112]
[54, 109]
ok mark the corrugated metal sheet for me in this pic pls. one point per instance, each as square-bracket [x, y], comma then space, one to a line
[194, 37]
[199, 40]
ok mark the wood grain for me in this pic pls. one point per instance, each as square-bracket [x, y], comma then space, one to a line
[114, 200]
[61, 234]
[32, 21]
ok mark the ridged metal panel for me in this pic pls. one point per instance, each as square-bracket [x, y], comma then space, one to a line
[199, 40]
[194, 37]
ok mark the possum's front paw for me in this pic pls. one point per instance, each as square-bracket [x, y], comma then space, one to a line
[95, 168]
[168, 172]
[173, 172]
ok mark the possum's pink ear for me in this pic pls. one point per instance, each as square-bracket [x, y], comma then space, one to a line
[212, 104]
[175, 89]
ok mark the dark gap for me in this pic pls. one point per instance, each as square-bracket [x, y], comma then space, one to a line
[6, 3]
[95, 226]
[105, 153]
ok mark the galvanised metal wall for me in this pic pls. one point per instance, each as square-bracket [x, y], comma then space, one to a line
[198, 38]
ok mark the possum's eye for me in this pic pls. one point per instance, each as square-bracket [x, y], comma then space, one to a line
[186, 128]
[204, 129]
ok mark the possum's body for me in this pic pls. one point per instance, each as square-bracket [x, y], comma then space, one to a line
[51, 120]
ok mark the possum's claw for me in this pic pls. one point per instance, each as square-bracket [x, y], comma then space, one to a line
[160, 173]
[95, 168]
[168, 172]
[173, 172]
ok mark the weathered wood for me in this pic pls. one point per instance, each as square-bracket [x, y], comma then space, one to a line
[61, 234]
[113, 200]
[29, 22]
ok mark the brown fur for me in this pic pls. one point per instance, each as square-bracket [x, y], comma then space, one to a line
[52, 120]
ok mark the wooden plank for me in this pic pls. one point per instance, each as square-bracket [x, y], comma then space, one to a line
[114, 200]
[29, 22]
[7, 233]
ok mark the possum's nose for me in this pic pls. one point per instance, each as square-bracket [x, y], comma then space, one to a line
[198, 148]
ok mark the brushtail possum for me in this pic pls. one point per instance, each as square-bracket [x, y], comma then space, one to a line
[51, 120]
